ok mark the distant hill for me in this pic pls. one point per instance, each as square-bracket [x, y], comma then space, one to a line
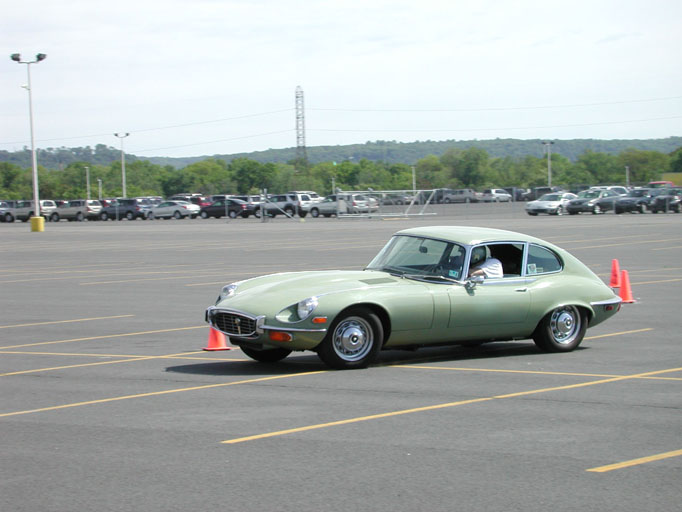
[388, 151]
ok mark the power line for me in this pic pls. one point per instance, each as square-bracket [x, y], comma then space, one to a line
[489, 109]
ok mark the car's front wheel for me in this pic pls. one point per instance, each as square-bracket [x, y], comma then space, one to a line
[177, 215]
[353, 341]
[271, 355]
[314, 212]
[232, 214]
[561, 330]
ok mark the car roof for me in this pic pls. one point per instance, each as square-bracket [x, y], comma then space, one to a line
[469, 235]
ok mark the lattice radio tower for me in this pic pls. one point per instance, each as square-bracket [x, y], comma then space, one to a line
[301, 153]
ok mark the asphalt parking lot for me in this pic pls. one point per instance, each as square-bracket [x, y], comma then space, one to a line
[109, 403]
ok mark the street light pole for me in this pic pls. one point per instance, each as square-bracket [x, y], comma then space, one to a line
[99, 188]
[87, 182]
[549, 162]
[16, 57]
[122, 136]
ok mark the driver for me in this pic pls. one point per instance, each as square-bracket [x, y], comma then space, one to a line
[483, 265]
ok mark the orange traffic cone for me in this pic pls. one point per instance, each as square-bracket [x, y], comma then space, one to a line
[615, 274]
[625, 290]
[216, 340]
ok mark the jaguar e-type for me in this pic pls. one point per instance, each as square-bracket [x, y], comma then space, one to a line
[419, 291]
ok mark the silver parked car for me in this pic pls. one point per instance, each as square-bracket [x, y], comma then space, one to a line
[551, 204]
[175, 209]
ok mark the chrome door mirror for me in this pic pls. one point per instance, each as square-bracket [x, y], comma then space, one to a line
[471, 283]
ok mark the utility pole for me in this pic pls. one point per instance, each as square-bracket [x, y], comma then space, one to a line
[301, 152]
[548, 145]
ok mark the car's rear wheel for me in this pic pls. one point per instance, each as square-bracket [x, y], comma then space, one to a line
[104, 216]
[55, 217]
[289, 210]
[130, 216]
[353, 341]
[204, 214]
[79, 217]
[271, 355]
[596, 209]
[177, 215]
[314, 212]
[561, 330]
[232, 214]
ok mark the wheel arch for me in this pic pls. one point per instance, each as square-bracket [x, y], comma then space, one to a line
[378, 310]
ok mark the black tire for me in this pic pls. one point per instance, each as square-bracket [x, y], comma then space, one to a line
[177, 214]
[103, 216]
[561, 330]
[302, 214]
[9, 218]
[289, 210]
[232, 214]
[150, 216]
[204, 214]
[55, 217]
[314, 213]
[532, 214]
[353, 341]
[79, 217]
[271, 355]
[130, 216]
[596, 209]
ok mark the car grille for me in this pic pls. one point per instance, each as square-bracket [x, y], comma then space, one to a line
[233, 324]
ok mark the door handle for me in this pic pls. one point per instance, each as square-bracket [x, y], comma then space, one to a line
[521, 290]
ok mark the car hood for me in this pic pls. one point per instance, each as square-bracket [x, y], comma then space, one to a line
[281, 290]
[544, 204]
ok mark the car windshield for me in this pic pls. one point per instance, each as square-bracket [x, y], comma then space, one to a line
[589, 194]
[551, 197]
[420, 258]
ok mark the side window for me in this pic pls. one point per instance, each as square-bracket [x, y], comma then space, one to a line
[542, 261]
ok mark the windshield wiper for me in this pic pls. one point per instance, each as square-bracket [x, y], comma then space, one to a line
[435, 277]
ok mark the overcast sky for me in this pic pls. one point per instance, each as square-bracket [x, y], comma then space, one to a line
[204, 77]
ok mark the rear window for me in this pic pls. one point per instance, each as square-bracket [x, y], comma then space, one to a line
[542, 261]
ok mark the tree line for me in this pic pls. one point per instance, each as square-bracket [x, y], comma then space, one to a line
[456, 168]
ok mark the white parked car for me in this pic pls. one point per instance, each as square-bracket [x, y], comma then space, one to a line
[176, 209]
[553, 203]
[495, 195]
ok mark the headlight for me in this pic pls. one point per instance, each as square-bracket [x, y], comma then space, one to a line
[305, 307]
[227, 291]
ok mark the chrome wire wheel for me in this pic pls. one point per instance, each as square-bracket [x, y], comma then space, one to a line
[565, 324]
[353, 339]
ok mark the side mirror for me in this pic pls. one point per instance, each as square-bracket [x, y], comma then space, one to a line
[471, 283]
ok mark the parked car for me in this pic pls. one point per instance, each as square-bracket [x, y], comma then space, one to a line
[287, 204]
[495, 195]
[78, 210]
[314, 196]
[636, 200]
[24, 210]
[125, 208]
[230, 207]
[342, 204]
[461, 195]
[7, 210]
[552, 204]
[174, 209]
[417, 292]
[395, 198]
[588, 201]
[659, 184]
[668, 201]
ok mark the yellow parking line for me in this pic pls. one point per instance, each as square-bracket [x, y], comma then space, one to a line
[636, 462]
[442, 406]
[67, 321]
[104, 337]
[655, 282]
[159, 393]
[634, 331]
[128, 359]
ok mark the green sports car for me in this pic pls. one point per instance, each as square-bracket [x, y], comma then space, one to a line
[421, 289]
